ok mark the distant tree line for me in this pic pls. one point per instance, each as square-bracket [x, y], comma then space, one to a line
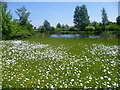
[83, 25]
[22, 28]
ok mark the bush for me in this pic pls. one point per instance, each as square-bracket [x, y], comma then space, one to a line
[107, 35]
[21, 32]
[112, 27]
[72, 29]
[41, 29]
[90, 29]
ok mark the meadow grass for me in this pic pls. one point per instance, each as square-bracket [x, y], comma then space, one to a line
[60, 63]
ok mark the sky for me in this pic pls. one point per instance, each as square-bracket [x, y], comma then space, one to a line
[63, 12]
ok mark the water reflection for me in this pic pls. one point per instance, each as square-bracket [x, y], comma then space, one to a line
[74, 36]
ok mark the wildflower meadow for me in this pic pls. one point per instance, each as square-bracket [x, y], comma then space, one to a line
[40, 64]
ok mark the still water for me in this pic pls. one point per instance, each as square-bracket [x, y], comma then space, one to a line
[73, 36]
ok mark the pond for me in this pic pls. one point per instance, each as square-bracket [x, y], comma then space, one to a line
[74, 36]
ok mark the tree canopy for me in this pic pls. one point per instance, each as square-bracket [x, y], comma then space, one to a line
[46, 24]
[58, 25]
[81, 18]
[23, 15]
[104, 17]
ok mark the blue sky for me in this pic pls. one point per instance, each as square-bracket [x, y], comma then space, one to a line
[63, 12]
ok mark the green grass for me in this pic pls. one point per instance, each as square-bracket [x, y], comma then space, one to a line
[60, 63]
[72, 44]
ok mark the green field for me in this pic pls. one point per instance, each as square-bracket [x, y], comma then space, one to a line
[60, 63]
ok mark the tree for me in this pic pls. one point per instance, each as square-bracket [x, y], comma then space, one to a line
[77, 18]
[104, 18]
[118, 20]
[6, 21]
[16, 28]
[29, 28]
[81, 18]
[46, 24]
[23, 15]
[58, 25]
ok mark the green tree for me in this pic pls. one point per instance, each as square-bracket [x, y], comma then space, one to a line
[23, 15]
[81, 18]
[104, 18]
[118, 20]
[6, 21]
[58, 25]
[29, 28]
[46, 24]
[77, 18]
[16, 28]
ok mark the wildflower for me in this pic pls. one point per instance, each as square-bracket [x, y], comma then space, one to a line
[72, 80]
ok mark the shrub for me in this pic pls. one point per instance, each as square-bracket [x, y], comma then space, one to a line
[72, 29]
[107, 35]
[112, 27]
[90, 29]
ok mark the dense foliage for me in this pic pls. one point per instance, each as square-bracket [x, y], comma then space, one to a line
[6, 22]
